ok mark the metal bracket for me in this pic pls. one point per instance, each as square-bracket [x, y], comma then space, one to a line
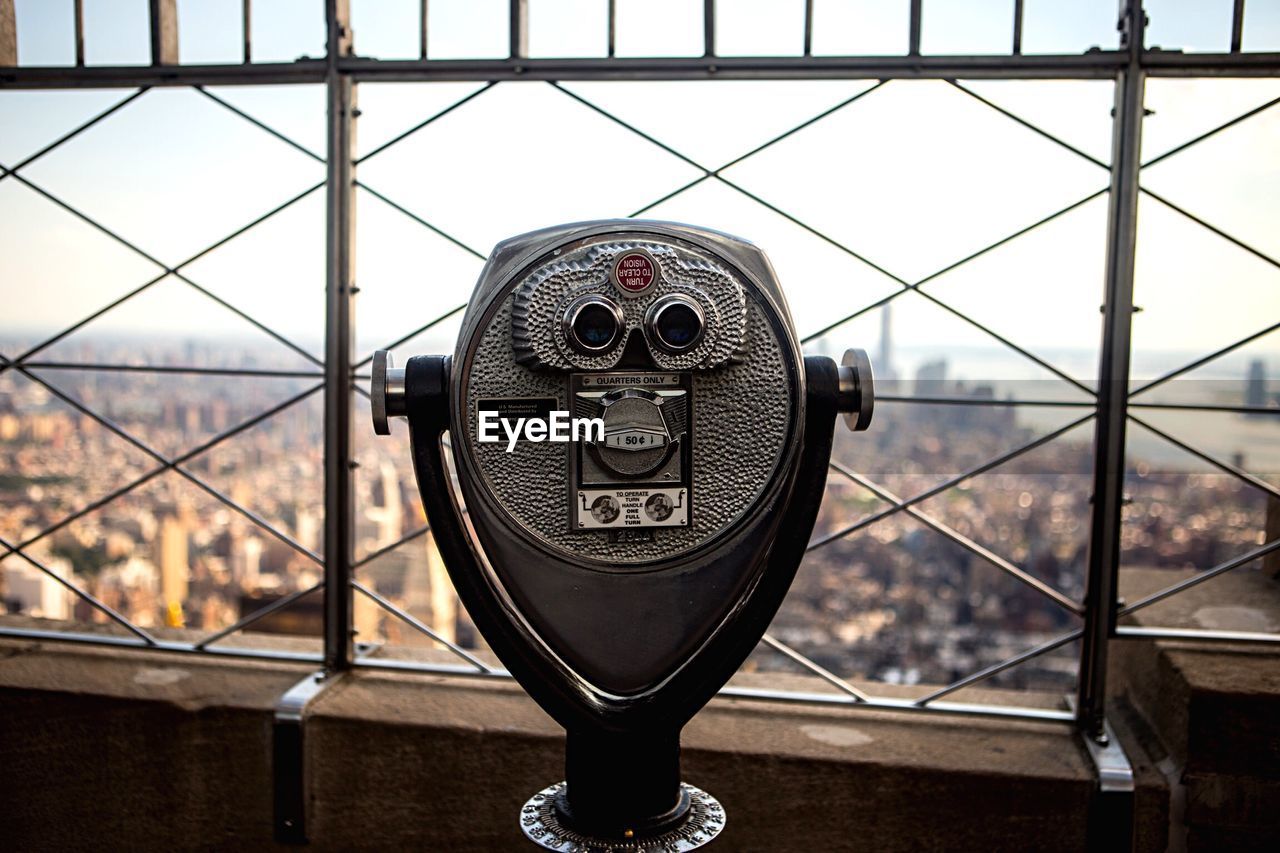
[1111, 813]
[288, 757]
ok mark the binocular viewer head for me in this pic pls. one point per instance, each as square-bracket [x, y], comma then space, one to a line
[641, 449]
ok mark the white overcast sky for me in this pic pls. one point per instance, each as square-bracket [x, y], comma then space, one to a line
[913, 176]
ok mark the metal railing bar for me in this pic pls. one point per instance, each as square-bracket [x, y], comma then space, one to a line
[387, 549]
[1096, 65]
[799, 127]
[429, 120]
[612, 23]
[169, 368]
[1202, 137]
[951, 483]
[87, 596]
[817, 669]
[885, 703]
[423, 19]
[299, 71]
[159, 645]
[1030, 125]
[78, 13]
[955, 264]
[1017, 26]
[1236, 241]
[169, 464]
[422, 627]
[708, 28]
[873, 703]
[973, 547]
[431, 667]
[914, 27]
[1200, 362]
[260, 613]
[298, 146]
[246, 30]
[73, 133]
[668, 196]
[1093, 65]
[1197, 579]
[519, 23]
[631, 127]
[983, 674]
[986, 401]
[418, 219]
[1239, 473]
[808, 27]
[411, 335]
[1198, 635]
[1237, 25]
[1205, 407]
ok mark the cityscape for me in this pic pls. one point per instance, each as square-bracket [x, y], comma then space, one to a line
[190, 545]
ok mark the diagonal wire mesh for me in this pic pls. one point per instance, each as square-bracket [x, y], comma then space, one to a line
[25, 360]
[897, 504]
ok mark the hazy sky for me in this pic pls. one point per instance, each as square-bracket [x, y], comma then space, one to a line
[912, 176]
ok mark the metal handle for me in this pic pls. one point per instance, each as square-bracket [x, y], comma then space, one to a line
[856, 397]
[386, 392]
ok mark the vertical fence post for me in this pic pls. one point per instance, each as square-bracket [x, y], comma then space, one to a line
[164, 32]
[339, 296]
[519, 22]
[1113, 380]
[913, 27]
[246, 25]
[8, 34]
[709, 28]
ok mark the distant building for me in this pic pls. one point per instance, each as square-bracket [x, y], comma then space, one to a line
[31, 591]
[884, 367]
[174, 568]
[931, 377]
[1255, 389]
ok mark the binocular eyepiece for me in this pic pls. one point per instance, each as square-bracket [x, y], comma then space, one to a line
[642, 448]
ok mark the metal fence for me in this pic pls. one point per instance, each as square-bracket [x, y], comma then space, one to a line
[1110, 405]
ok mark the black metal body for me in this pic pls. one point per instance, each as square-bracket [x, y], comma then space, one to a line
[623, 758]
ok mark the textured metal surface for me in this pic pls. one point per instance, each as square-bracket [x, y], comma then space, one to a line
[546, 294]
[540, 825]
[742, 405]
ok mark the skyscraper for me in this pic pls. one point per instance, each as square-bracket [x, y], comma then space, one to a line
[1255, 389]
[174, 569]
[884, 370]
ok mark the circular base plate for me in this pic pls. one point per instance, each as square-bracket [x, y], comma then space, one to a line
[539, 822]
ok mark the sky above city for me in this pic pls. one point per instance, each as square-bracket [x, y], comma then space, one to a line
[911, 176]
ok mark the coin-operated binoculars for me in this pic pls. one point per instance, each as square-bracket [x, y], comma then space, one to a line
[641, 449]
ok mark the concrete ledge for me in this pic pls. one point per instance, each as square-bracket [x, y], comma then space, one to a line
[1212, 708]
[142, 750]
